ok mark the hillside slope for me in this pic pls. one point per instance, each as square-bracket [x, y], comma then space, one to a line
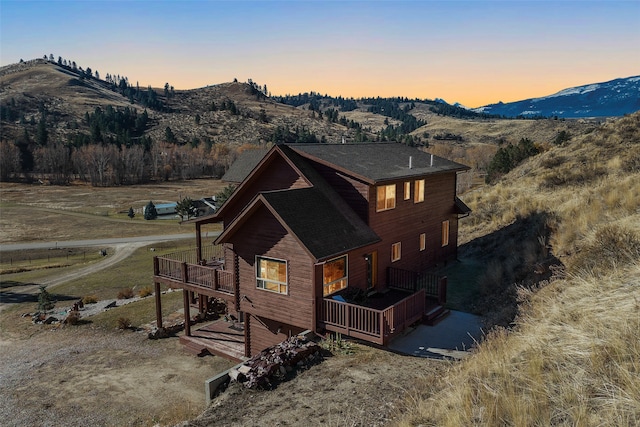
[571, 357]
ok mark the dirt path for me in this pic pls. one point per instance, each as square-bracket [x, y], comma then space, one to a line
[118, 253]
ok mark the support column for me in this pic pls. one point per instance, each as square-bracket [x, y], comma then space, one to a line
[442, 290]
[187, 316]
[198, 243]
[158, 296]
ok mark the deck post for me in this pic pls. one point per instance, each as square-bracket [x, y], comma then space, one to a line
[201, 302]
[187, 316]
[183, 272]
[158, 296]
[198, 243]
[442, 290]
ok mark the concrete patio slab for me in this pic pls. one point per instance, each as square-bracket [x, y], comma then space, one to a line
[451, 337]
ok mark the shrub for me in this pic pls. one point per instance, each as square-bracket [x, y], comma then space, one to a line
[123, 323]
[125, 293]
[612, 245]
[45, 300]
[89, 299]
[145, 292]
[73, 318]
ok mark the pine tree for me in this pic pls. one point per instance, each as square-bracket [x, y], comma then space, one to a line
[131, 213]
[150, 211]
[45, 301]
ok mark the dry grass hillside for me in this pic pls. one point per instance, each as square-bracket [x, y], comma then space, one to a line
[572, 355]
[67, 98]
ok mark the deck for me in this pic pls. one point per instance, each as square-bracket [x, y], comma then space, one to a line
[206, 275]
[219, 338]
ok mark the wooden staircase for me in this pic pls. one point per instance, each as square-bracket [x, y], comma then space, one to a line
[435, 314]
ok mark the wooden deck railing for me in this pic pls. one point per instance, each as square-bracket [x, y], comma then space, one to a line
[433, 285]
[372, 325]
[194, 274]
[209, 253]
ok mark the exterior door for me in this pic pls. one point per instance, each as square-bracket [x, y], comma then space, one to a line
[372, 269]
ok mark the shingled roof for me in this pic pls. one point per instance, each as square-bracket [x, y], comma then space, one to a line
[322, 228]
[376, 162]
[317, 216]
[244, 164]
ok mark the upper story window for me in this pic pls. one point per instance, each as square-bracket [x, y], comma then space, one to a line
[386, 197]
[271, 275]
[418, 195]
[407, 190]
[423, 241]
[445, 233]
[396, 249]
[334, 275]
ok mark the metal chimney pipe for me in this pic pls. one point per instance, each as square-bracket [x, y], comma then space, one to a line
[410, 162]
[431, 163]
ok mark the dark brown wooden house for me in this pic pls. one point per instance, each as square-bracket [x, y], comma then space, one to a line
[326, 237]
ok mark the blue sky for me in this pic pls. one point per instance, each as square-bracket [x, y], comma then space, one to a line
[473, 52]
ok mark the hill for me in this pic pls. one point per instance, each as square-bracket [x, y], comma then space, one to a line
[115, 132]
[570, 357]
[614, 98]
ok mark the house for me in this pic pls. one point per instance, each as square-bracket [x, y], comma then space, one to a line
[326, 237]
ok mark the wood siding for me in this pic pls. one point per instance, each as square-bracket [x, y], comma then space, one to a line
[276, 175]
[265, 332]
[263, 236]
[408, 220]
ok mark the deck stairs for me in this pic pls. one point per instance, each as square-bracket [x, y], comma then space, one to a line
[435, 314]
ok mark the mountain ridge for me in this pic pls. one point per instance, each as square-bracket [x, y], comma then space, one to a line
[613, 98]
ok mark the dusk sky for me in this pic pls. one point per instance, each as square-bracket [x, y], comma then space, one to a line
[472, 52]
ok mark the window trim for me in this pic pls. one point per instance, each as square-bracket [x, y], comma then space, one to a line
[280, 284]
[446, 228]
[345, 277]
[387, 199]
[418, 193]
[395, 245]
[423, 242]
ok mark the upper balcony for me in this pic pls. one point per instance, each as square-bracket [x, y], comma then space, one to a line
[206, 275]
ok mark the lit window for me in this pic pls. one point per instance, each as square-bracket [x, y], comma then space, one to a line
[386, 197]
[418, 195]
[407, 190]
[271, 275]
[395, 252]
[445, 233]
[334, 275]
[423, 241]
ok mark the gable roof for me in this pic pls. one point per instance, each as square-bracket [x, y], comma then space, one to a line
[377, 162]
[312, 219]
[244, 164]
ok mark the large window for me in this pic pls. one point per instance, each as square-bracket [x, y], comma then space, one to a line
[386, 197]
[418, 195]
[396, 252]
[271, 275]
[445, 233]
[334, 275]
